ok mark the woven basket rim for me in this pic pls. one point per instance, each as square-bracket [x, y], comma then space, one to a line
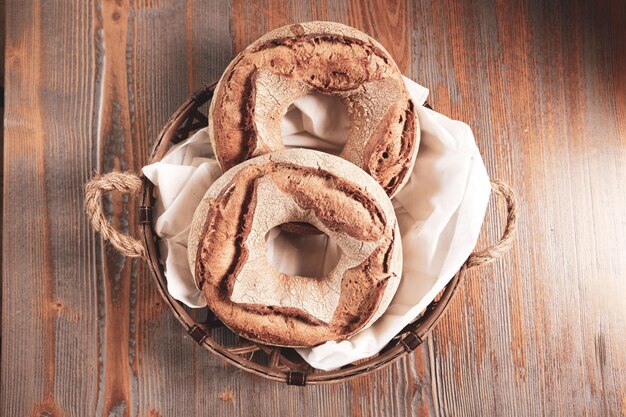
[186, 120]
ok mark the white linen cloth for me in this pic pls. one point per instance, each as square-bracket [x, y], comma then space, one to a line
[440, 212]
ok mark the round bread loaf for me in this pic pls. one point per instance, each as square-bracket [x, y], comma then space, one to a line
[258, 86]
[227, 248]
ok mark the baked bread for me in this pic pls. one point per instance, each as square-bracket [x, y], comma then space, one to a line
[227, 248]
[258, 86]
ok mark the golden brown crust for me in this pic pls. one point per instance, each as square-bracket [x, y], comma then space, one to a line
[263, 80]
[339, 207]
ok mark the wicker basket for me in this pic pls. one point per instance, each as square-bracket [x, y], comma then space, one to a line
[275, 363]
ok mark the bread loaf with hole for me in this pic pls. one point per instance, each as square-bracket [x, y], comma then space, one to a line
[227, 248]
[258, 86]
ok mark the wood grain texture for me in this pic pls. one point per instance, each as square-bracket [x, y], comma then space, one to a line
[88, 86]
[543, 88]
[2, 43]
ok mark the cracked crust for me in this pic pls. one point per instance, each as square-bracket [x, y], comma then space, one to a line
[258, 86]
[227, 248]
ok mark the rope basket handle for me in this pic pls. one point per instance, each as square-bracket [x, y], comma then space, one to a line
[129, 183]
[502, 246]
[125, 182]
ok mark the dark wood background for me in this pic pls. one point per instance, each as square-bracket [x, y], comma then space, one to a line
[88, 85]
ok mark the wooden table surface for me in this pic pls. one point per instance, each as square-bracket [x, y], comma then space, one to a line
[88, 85]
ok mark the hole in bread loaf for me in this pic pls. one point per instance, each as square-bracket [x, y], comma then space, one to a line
[316, 121]
[312, 255]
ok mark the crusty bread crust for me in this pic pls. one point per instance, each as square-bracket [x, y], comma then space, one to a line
[258, 86]
[227, 248]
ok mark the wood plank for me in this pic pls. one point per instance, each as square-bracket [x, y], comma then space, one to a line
[2, 43]
[176, 51]
[117, 152]
[49, 327]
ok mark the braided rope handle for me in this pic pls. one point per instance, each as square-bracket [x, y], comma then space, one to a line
[127, 182]
[502, 246]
